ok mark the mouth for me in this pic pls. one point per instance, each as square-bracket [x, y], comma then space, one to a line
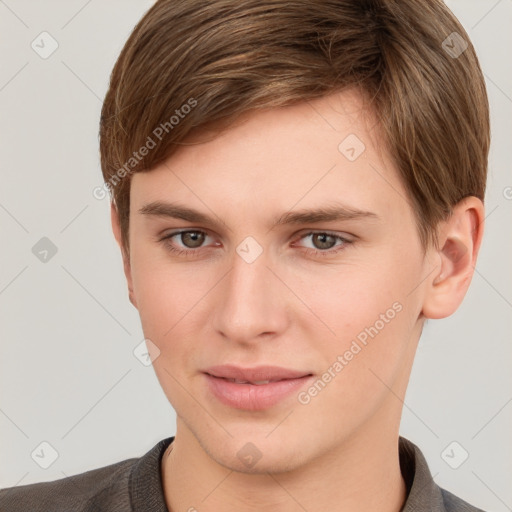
[256, 383]
[255, 388]
[255, 375]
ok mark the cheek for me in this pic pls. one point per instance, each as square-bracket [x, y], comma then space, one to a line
[364, 313]
[166, 297]
[348, 298]
[168, 303]
[369, 354]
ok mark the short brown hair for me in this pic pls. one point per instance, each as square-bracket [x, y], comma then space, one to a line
[226, 57]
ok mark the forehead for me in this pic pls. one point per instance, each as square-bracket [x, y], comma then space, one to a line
[324, 150]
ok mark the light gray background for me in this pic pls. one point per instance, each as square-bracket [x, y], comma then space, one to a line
[68, 373]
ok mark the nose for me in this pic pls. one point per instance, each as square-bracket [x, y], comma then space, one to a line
[251, 301]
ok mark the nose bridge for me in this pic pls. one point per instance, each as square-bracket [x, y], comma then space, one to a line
[250, 299]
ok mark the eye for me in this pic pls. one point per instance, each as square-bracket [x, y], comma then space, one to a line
[191, 241]
[324, 243]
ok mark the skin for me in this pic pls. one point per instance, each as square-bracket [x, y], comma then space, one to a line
[290, 307]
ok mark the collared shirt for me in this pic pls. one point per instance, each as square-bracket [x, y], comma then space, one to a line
[135, 485]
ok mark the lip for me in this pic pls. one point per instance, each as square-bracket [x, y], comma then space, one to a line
[249, 396]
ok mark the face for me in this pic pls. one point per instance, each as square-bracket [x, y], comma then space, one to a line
[287, 242]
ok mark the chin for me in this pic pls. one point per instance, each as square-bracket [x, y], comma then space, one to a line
[253, 454]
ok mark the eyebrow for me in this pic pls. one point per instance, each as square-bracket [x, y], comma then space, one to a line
[305, 216]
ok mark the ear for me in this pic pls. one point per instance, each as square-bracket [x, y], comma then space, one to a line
[116, 228]
[459, 240]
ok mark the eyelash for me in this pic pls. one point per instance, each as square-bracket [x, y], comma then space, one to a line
[310, 252]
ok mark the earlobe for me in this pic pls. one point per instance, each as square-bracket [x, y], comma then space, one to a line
[116, 228]
[460, 237]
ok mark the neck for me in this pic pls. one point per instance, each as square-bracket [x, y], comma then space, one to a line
[360, 475]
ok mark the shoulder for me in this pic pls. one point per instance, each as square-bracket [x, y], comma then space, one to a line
[423, 492]
[454, 504]
[105, 488]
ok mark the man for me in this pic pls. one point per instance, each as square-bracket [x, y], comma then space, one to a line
[296, 188]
